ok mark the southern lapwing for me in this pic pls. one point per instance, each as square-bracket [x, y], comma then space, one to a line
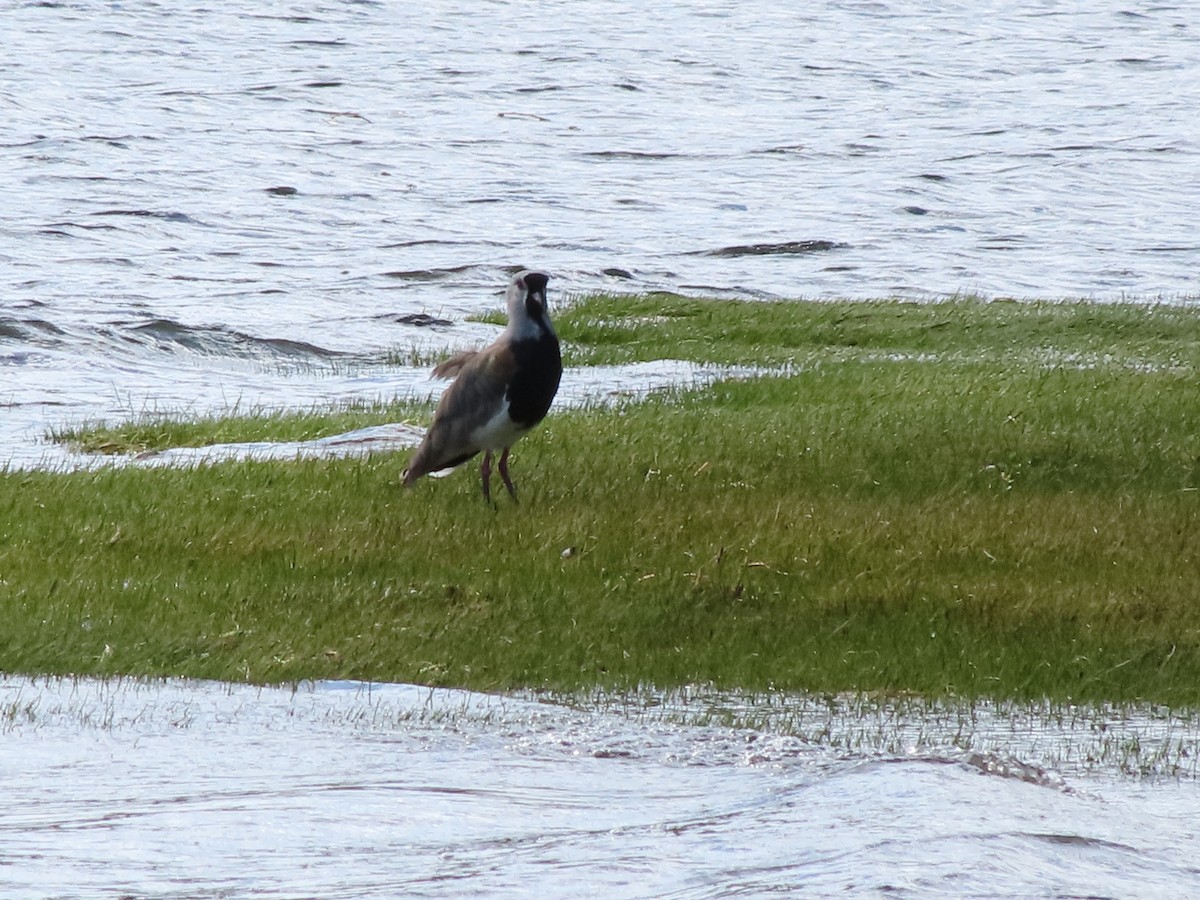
[498, 393]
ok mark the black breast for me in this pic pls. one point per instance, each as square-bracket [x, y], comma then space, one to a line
[535, 382]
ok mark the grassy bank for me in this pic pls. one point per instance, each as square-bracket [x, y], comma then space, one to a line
[981, 499]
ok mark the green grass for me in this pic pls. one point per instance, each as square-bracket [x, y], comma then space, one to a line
[607, 329]
[960, 509]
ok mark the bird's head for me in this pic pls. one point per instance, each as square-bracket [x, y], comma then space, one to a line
[527, 311]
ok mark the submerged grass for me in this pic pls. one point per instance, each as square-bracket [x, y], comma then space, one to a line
[955, 512]
[160, 431]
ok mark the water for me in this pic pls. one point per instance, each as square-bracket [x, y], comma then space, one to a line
[343, 789]
[206, 207]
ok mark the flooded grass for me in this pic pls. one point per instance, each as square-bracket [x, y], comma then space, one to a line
[1040, 741]
[163, 431]
[947, 516]
[1044, 742]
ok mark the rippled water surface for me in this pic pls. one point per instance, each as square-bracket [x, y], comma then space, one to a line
[341, 789]
[223, 204]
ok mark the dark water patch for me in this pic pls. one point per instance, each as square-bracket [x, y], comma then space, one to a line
[484, 200]
[632, 154]
[292, 19]
[784, 149]
[738, 292]
[4, 145]
[428, 274]
[418, 243]
[540, 89]
[150, 214]
[419, 320]
[1004, 242]
[626, 86]
[916, 210]
[532, 117]
[110, 141]
[282, 190]
[1079, 840]
[932, 176]
[1154, 62]
[614, 272]
[183, 276]
[85, 179]
[310, 42]
[288, 346]
[787, 248]
[323, 84]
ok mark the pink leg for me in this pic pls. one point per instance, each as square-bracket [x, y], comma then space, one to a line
[485, 469]
[504, 474]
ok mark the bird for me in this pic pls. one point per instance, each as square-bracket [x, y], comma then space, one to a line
[498, 394]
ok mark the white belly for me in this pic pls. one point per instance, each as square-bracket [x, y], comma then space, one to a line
[498, 432]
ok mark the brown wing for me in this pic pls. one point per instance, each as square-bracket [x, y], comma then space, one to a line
[471, 400]
[451, 367]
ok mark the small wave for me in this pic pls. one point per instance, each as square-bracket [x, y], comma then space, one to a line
[32, 331]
